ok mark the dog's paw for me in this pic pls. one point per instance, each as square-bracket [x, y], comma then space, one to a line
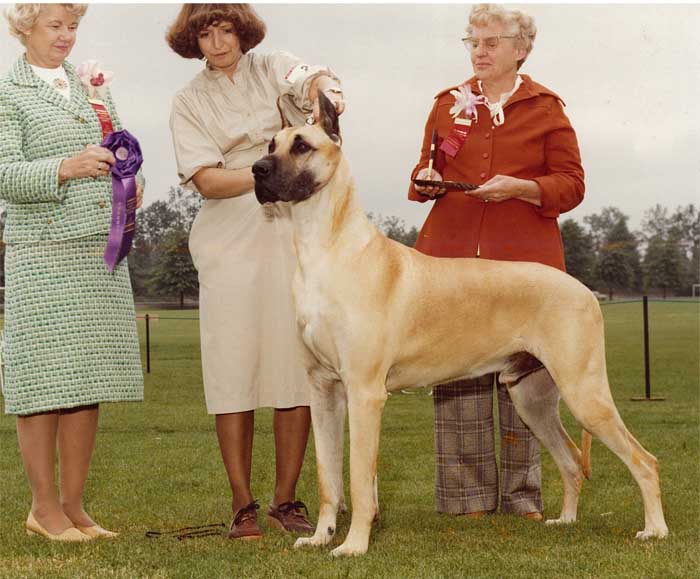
[560, 521]
[347, 550]
[652, 534]
[315, 541]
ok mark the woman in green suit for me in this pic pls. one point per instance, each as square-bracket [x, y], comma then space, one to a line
[70, 333]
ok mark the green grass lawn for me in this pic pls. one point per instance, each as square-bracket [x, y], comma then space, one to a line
[157, 466]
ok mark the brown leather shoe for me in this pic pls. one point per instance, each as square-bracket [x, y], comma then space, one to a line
[245, 523]
[289, 517]
[533, 516]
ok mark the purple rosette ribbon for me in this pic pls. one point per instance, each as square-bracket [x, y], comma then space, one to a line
[127, 153]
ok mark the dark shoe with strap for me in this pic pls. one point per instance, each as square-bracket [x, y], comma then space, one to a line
[245, 523]
[290, 518]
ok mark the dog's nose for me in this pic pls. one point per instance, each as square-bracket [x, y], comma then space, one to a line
[262, 168]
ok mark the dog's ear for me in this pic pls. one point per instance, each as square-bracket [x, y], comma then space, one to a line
[328, 117]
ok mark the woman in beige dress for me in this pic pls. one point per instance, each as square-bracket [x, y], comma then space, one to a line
[221, 123]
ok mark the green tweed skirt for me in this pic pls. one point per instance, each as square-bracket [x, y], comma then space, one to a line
[70, 328]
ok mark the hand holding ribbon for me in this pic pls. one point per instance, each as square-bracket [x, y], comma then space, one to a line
[127, 153]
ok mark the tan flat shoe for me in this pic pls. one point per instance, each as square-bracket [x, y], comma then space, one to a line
[533, 516]
[97, 532]
[70, 535]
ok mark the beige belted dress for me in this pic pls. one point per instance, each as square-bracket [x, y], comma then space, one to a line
[244, 255]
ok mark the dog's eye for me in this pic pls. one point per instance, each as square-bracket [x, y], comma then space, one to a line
[300, 147]
[271, 147]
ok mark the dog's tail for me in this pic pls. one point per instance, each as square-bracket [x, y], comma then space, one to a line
[586, 440]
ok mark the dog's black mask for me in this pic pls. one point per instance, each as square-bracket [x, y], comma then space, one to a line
[273, 183]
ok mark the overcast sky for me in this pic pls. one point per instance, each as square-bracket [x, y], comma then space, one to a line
[629, 74]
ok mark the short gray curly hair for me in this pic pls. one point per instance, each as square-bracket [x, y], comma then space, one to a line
[22, 17]
[518, 24]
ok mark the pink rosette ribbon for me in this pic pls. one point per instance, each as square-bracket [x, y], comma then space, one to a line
[463, 111]
[127, 153]
[93, 78]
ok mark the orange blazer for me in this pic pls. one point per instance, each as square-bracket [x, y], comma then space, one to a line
[535, 142]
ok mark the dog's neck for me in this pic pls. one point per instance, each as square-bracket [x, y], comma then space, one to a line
[331, 216]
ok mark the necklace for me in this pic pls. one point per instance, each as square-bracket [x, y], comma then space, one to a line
[59, 83]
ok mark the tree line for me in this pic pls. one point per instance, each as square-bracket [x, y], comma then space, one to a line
[662, 257]
[160, 263]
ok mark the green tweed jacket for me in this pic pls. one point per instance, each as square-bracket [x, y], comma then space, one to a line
[39, 128]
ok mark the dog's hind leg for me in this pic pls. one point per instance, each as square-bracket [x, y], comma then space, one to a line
[365, 406]
[592, 405]
[575, 356]
[536, 398]
[328, 404]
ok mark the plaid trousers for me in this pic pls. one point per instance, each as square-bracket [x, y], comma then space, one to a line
[465, 465]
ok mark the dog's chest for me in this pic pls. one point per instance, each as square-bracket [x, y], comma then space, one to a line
[313, 319]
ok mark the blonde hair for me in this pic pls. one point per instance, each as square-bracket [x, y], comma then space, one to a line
[22, 17]
[518, 24]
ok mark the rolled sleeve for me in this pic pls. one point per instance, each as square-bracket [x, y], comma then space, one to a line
[23, 180]
[562, 187]
[194, 148]
[293, 77]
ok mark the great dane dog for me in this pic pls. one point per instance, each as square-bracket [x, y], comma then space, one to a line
[377, 316]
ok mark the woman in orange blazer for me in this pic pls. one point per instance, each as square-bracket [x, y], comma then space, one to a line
[509, 135]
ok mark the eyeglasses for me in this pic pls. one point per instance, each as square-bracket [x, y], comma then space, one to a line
[490, 42]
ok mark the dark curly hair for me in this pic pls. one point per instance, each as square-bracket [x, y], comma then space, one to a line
[193, 18]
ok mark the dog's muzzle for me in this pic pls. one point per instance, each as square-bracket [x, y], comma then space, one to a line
[262, 170]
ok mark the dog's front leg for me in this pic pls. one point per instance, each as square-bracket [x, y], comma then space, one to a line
[328, 418]
[365, 406]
